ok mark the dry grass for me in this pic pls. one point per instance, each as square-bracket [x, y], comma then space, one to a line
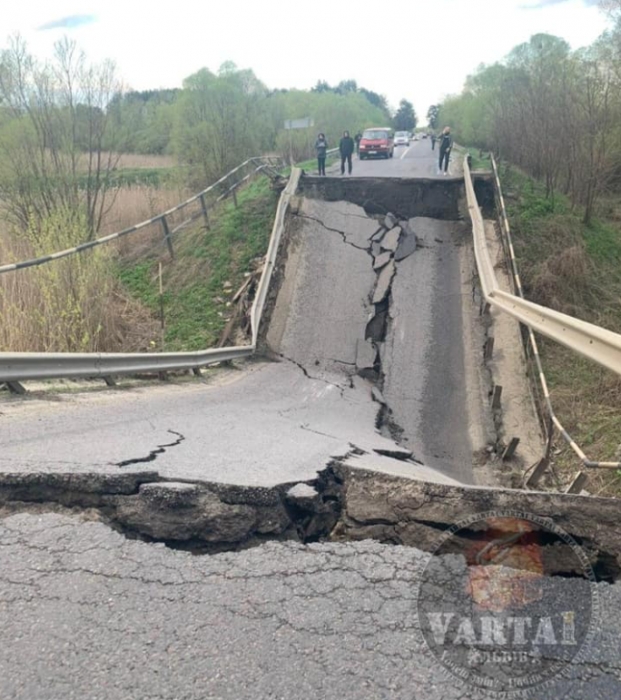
[131, 205]
[562, 280]
[587, 400]
[573, 268]
[132, 161]
[71, 305]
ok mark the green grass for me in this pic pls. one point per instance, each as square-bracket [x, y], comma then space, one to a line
[603, 242]
[479, 162]
[208, 269]
[577, 269]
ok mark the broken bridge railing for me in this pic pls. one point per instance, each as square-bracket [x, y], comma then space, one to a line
[21, 366]
[593, 342]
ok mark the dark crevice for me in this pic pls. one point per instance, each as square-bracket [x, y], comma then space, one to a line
[152, 456]
[204, 518]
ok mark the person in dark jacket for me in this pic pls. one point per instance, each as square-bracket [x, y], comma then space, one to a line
[446, 145]
[346, 147]
[358, 139]
[321, 146]
[433, 141]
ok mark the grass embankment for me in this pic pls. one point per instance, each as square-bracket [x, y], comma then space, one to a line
[574, 268]
[208, 268]
[479, 159]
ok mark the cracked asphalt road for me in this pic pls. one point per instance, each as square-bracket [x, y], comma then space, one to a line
[272, 425]
[279, 422]
[320, 321]
[90, 615]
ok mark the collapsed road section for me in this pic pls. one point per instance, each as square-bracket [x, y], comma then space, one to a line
[389, 299]
[363, 420]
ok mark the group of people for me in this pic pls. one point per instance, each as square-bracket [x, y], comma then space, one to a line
[347, 146]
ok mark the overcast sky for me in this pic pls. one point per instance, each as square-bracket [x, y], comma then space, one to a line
[417, 49]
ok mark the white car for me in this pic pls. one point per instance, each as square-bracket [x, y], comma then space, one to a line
[402, 138]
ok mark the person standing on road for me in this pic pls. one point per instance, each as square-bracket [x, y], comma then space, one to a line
[446, 145]
[432, 136]
[321, 146]
[357, 139]
[346, 148]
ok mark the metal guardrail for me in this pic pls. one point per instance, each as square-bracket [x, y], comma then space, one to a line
[257, 164]
[15, 367]
[591, 341]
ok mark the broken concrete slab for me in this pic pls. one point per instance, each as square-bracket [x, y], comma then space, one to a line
[390, 220]
[391, 240]
[302, 492]
[407, 246]
[384, 281]
[356, 466]
[378, 396]
[376, 249]
[407, 228]
[382, 259]
[411, 512]
[326, 286]
[378, 235]
[366, 354]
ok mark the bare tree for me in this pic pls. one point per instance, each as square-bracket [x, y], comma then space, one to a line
[58, 149]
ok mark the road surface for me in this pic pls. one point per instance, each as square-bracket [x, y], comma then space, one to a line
[90, 615]
[281, 423]
[415, 160]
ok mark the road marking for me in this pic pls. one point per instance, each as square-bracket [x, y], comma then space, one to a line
[405, 152]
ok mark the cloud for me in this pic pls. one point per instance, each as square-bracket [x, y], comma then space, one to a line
[538, 4]
[70, 22]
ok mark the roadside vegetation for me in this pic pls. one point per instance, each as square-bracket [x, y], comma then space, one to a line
[552, 117]
[81, 157]
[576, 268]
[208, 268]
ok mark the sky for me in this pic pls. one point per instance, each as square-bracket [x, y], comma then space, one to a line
[420, 50]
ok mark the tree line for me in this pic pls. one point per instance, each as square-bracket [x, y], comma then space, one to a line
[554, 112]
[64, 123]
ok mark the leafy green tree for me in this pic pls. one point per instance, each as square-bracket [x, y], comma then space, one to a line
[220, 121]
[432, 116]
[405, 117]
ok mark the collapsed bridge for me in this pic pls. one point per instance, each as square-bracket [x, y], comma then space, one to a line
[365, 413]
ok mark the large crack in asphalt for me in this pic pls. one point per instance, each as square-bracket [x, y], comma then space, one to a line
[152, 456]
[340, 504]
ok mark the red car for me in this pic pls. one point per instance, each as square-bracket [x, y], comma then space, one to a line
[377, 142]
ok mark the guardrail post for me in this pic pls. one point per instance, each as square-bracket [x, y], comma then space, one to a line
[167, 236]
[538, 472]
[488, 350]
[15, 388]
[578, 483]
[235, 195]
[511, 448]
[496, 396]
[205, 214]
[109, 380]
